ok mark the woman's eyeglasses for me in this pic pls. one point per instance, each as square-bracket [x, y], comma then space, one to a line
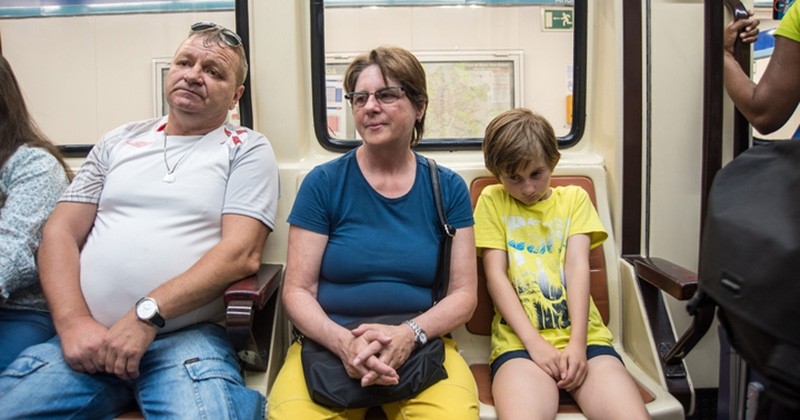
[227, 35]
[384, 96]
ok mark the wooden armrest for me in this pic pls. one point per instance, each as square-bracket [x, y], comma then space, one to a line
[250, 305]
[654, 276]
[673, 279]
[257, 288]
[659, 274]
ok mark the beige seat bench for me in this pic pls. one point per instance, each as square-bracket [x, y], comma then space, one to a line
[474, 338]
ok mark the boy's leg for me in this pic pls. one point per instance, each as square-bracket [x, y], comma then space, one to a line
[40, 383]
[193, 373]
[455, 397]
[609, 391]
[522, 390]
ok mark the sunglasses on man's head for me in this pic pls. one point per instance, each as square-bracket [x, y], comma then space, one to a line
[227, 35]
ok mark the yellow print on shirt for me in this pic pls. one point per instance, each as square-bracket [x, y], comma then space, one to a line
[540, 282]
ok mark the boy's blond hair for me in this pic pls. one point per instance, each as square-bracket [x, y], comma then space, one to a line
[516, 138]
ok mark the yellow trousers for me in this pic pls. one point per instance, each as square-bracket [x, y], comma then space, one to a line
[455, 397]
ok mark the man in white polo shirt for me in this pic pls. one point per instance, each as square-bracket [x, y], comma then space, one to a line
[161, 218]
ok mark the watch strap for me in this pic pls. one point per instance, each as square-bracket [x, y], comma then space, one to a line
[420, 338]
[155, 319]
[158, 320]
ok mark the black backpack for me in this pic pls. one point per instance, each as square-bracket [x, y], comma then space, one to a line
[750, 262]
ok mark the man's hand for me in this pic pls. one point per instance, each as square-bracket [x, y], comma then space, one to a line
[81, 340]
[124, 345]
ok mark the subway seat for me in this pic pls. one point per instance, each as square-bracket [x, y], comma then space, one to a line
[609, 294]
[614, 287]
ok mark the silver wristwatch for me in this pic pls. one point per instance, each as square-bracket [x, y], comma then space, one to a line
[147, 311]
[420, 338]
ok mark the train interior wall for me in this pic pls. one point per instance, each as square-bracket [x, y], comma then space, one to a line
[82, 76]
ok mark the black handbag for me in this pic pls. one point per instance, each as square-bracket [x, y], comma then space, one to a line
[325, 375]
[329, 385]
[750, 262]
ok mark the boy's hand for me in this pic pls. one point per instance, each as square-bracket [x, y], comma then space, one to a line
[572, 364]
[547, 358]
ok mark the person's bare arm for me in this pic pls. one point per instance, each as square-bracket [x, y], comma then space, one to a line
[507, 302]
[576, 270]
[237, 255]
[768, 104]
[453, 310]
[299, 296]
[59, 271]
[303, 261]
[459, 303]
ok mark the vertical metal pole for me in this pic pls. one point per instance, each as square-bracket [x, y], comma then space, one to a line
[242, 13]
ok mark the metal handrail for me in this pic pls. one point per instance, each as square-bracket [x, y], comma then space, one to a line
[700, 307]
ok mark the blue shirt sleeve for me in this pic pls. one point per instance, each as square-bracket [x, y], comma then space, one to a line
[309, 209]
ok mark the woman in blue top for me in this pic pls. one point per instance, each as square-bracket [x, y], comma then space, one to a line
[364, 241]
[32, 177]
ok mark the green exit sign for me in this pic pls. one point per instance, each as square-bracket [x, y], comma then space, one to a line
[558, 19]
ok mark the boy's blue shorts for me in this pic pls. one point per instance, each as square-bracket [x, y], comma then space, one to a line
[592, 350]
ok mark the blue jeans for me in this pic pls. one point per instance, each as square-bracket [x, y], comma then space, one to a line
[190, 373]
[20, 329]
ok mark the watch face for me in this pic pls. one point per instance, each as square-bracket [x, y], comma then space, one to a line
[146, 309]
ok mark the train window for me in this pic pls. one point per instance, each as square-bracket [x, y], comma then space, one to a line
[481, 58]
[105, 68]
[50, 8]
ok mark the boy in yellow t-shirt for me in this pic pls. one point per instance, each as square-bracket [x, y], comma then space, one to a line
[535, 243]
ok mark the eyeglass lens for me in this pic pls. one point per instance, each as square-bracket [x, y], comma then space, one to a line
[227, 35]
[384, 96]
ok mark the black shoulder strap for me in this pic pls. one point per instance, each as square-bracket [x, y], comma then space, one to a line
[448, 232]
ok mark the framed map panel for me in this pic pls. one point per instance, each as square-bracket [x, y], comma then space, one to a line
[466, 90]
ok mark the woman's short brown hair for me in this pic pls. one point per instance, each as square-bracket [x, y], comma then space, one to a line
[402, 66]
